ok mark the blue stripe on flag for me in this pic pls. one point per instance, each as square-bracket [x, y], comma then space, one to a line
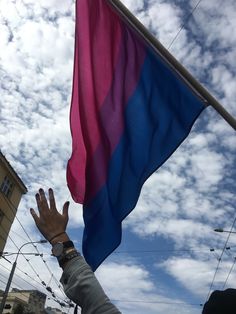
[158, 117]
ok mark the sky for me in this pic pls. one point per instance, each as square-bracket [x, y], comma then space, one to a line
[168, 261]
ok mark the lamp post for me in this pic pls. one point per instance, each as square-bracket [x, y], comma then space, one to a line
[12, 273]
[222, 230]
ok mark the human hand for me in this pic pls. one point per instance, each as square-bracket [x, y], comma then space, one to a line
[49, 221]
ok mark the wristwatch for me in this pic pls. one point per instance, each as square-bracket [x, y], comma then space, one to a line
[59, 248]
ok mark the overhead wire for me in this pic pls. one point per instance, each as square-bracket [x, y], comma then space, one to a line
[56, 298]
[182, 26]
[35, 272]
[17, 285]
[12, 206]
[22, 291]
[8, 236]
[12, 231]
[45, 263]
[157, 302]
[31, 278]
[230, 271]
[165, 251]
[51, 273]
[3, 282]
[18, 251]
[220, 258]
[20, 236]
[190, 14]
[118, 252]
[26, 260]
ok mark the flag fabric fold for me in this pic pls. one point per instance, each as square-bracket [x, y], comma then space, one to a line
[129, 112]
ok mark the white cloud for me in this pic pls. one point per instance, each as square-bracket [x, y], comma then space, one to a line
[201, 277]
[193, 193]
[136, 5]
[133, 284]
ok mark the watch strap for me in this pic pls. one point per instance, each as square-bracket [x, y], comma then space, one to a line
[69, 255]
[68, 244]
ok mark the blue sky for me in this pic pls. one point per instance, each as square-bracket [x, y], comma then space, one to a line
[164, 263]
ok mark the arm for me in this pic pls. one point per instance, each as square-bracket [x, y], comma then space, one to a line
[79, 282]
[81, 286]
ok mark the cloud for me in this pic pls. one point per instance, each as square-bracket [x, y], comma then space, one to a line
[201, 279]
[133, 284]
[180, 205]
[136, 5]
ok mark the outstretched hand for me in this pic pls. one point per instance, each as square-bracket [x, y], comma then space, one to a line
[49, 221]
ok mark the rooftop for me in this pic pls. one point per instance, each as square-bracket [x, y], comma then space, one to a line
[13, 173]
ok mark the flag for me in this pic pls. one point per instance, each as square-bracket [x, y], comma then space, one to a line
[129, 112]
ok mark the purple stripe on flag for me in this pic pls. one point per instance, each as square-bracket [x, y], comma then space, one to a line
[111, 123]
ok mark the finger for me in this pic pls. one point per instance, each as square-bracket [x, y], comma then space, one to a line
[65, 209]
[35, 216]
[52, 200]
[43, 200]
[37, 197]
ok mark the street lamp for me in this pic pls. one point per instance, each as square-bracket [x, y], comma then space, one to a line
[222, 230]
[12, 273]
[3, 254]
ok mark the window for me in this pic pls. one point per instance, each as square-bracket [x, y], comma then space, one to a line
[7, 186]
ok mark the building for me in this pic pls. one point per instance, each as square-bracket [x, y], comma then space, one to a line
[32, 301]
[13, 304]
[11, 190]
[53, 310]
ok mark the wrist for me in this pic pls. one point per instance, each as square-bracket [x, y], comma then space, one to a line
[63, 249]
[67, 256]
[63, 237]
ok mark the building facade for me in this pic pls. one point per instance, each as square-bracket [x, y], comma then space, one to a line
[32, 301]
[14, 305]
[11, 190]
[53, 310]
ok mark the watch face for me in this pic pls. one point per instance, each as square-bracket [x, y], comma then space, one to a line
[57, 249]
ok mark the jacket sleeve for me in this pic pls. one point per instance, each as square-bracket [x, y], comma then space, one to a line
[82, 287]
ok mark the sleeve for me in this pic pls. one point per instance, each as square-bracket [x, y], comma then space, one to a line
[83, 288]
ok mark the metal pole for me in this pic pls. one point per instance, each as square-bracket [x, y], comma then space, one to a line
[221, 230]
[2, 305]
[172, 62]
[5, 294]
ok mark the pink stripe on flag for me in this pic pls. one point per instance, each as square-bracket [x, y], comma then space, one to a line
[94, 64]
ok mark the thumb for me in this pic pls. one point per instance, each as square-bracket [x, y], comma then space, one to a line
[66, 209]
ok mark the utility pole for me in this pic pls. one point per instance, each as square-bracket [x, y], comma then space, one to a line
[5, 294]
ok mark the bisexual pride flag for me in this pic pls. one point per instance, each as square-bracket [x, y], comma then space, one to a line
[129, 112]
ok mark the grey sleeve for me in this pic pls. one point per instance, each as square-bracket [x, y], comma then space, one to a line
[82, 287]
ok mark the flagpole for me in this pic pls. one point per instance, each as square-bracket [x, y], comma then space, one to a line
[196, 87]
